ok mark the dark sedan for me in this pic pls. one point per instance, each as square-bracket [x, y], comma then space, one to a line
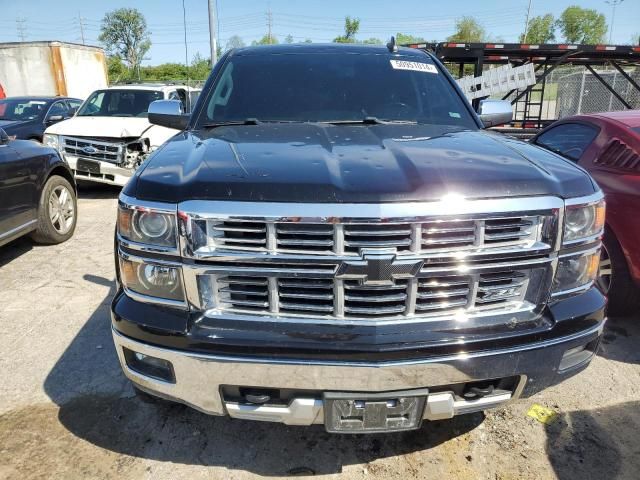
[37, 192]
[27, 118]
[607, 145]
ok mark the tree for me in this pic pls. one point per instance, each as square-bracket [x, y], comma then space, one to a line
[308, 40]
[582, 25]
[404, 39]
[235, 41]
[351, 27]
[541, 30]
[467, 31]
[288, 39]
[266, 40]
[124, 33]
[200, 67]
[116, 70]
[372, 41]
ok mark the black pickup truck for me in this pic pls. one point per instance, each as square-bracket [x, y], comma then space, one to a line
[333, 238]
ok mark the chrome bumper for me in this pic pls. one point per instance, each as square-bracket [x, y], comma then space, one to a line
[199, 377]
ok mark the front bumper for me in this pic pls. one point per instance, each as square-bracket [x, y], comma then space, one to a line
[201, 378]
[110, 174]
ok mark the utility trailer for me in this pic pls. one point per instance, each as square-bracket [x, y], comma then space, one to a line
[622, 63]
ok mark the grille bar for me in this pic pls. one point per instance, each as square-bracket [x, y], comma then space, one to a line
[328, 297]
[349, 238]
[93, 149]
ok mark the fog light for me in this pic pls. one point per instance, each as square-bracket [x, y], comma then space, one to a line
[149, 366]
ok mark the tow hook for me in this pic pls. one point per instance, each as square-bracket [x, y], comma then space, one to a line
[476, 392]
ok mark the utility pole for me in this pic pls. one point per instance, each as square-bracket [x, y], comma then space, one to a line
[80, 20]
[213, 33]
[269, 24]
[526, 24]
[614, 4]
[22, 29]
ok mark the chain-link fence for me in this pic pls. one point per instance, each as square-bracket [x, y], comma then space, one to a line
[577, 90]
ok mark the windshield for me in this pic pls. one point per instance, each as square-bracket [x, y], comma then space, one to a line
[326, 87]
[21, 110]
[119, 103]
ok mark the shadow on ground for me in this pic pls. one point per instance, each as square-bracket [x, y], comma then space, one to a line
[596, 444]
[97, 405]
[621, 340]
[97, 190]
[15, 249]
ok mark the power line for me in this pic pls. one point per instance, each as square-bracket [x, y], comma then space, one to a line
[81, 28]
[20, 26]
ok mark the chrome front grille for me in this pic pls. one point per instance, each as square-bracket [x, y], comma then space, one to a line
[93, 149]
[503, 289]
[350, 238]
[481, 258]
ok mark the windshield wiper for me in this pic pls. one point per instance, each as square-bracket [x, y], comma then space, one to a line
[369, 120]
[246, 121]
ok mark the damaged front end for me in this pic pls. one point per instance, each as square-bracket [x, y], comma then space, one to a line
[104, 159]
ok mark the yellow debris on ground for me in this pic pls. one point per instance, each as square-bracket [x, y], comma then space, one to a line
[542, 414]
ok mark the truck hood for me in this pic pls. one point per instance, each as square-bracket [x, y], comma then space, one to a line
[107, 127]
[310, 162]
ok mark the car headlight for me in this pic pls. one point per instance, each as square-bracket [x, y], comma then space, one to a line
[163, 282]
[147, 226]
[51, 140]
[583, 221]
[576, 272]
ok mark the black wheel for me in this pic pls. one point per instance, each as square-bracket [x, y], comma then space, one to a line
[57, 212]
[614, 279]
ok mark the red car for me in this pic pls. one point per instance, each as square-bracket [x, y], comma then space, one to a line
[607, 145]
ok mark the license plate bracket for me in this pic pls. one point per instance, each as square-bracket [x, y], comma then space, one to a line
[353, 412]
[89, 166]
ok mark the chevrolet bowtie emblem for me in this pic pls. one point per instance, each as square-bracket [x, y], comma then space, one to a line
[378, 268]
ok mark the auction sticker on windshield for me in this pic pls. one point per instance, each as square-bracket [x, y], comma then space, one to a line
[415, 66]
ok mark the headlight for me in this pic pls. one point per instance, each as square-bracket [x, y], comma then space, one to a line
[576, 272]
[152, 280]
[583, 221]
[147, 226]
[52, 141]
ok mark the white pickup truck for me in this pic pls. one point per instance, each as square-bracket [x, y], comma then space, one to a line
[110, 135]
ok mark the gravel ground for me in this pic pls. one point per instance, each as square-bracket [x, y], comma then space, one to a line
[66, 410]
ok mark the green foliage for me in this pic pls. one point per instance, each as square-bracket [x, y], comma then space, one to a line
[308, 40]
[288, 39]
[582, 25]
[468, 30]
[235, 41]
[351, 27]
[541, 30]
[404, 39]
[266, 40]
[124, 33]
[372, 41]
[116, 70]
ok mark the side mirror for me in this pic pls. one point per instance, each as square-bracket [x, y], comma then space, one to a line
[54, 119]
[495, 112]
[168, 113]
[4, 138]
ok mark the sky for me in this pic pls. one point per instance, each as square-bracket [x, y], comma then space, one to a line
[318, 20]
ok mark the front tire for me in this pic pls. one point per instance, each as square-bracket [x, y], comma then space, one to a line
[614, 279]
[57, 212]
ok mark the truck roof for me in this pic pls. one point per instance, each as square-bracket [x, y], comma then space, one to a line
[310, 48]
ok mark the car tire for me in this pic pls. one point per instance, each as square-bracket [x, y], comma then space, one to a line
[614, 278]
[57, 212]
